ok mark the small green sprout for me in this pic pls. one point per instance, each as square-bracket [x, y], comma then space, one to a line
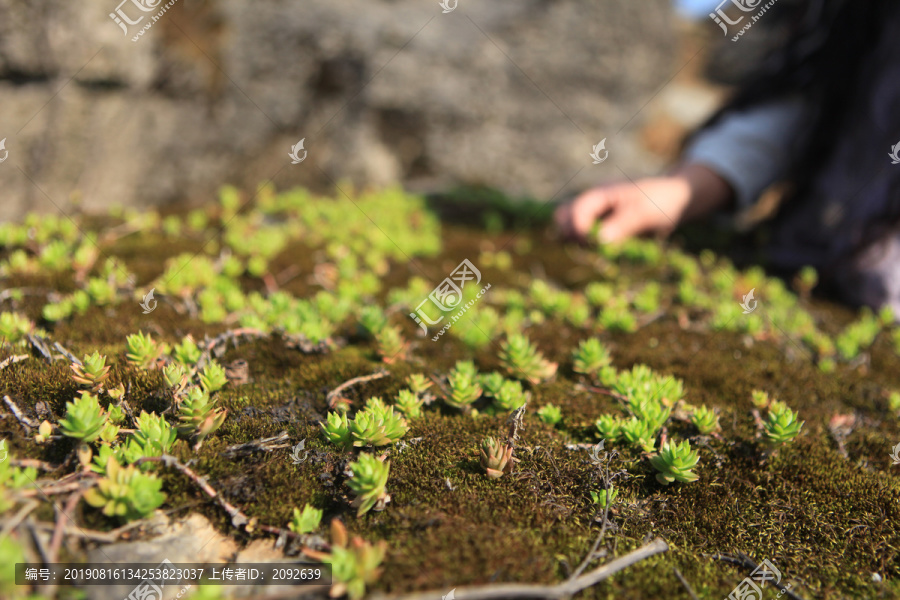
[605, 497]
[639, 433]
[126, 492]
[198, 416]
[186, 353]
[609, 427]
[590, 356]
[85, 418]
[354, 565]
[377, 425]
[212, 377]
[369, 477]
[390, 343]
[409, 404]
[141, 350]
[491, 383]
[705, 420]
[781, 425]
[496, 457]
[92, 373]
[154, 435]
[760, 399]
[523, 361]
[13, 328]
[675, 462]
[894, 402]
[173, 374]
[306, 521]
[511, 396]
[550, 414]
[337, 429]
[464, 388]
[652, 412]
[418, 383]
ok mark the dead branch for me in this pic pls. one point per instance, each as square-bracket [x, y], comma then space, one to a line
[334, 396]
[27, 423]
[12, 360]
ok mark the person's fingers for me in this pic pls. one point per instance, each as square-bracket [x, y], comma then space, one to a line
[563, 217]
[587, 208]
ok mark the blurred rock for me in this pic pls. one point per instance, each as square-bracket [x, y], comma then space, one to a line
[511, 95]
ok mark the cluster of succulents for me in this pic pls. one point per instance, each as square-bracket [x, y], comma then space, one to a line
[591, 357]
[85, 419]
[858, 335]
[354, 562]
[705, 420]
[409, 403]
[781, 425]
[496, 457]
[675, 462]
[368, 483]
[464, 385]
[550, 414]
[198, 415]
[377, 425]
[523, 361]
[92, 372]
[306, 521]
[126, 492]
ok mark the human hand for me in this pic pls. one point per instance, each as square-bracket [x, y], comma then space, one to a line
[649, 205]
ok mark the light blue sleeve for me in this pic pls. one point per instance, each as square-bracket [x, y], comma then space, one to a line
[751, 149]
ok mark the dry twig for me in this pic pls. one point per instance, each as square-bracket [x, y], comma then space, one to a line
[334, 396]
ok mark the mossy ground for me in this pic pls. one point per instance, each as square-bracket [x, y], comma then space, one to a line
[827, 521]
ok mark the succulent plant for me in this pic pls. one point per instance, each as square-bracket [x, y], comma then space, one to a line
[212, 377]
[13, 328]
[306, 521]
[781, 425]
[511, 396]
[650, 411]
[491, 383]
[639, 433]
[464, 387]
[550, 414]
[705, 420]
[110, 433]
[590, 356]
[354, 565]
[187, 353]
[173, 374]
[141, 350]
[377, 425]
[92, 373]
[197, 414]
[154, 435]
[496, 457]
[675, 462]
[605, 497]
[522, 360]
[418, 383]
[369, 477]
[760, 399]
[409, 404]
[126, 492]
[85, 418]
[609, 427]
[390, 343]
[337, 429]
